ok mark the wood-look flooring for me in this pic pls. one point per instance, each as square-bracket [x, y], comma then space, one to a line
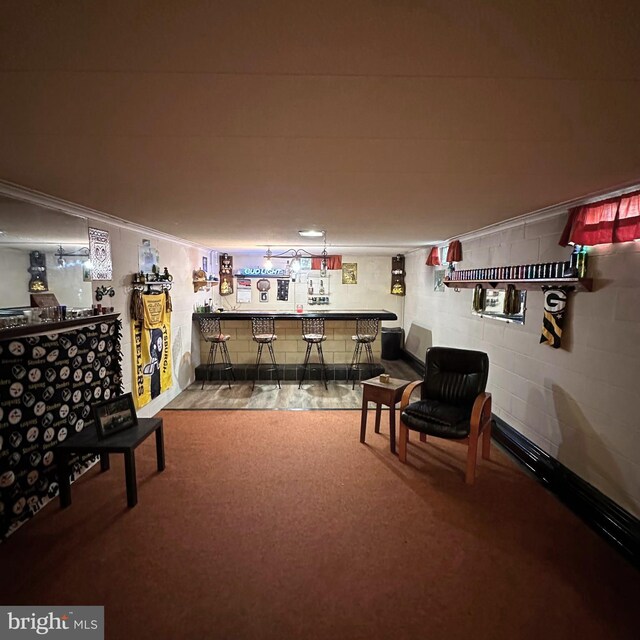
[266, 395]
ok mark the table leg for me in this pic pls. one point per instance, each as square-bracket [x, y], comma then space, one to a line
[105, 464]
[130, 476]
[63, 479]
[378, 412]
[160, 448]
[363, 419]
[392, 427]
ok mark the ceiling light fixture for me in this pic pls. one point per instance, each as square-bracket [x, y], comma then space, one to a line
[311, 233]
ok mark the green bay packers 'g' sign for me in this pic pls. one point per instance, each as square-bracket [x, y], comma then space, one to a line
[555, 305]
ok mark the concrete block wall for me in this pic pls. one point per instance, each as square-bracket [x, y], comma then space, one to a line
[289, 348]
[579, 403]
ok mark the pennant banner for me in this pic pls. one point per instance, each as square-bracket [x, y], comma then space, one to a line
[151, 341]
[555, 304]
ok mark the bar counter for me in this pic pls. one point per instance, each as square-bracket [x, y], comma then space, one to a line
[327, 314]
[289, 348]
[57, 326]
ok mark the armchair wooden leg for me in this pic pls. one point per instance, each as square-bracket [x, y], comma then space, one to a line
[423, 437]
[403, 437]
[486, 442]
[472, 456]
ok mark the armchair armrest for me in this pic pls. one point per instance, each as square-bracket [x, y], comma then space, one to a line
[406, 396]
[481, 412]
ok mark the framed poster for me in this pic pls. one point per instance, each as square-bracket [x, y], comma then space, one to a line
[438, 279]
[349, 273]
[148, 257]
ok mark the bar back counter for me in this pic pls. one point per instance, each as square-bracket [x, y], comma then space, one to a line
[340, 326]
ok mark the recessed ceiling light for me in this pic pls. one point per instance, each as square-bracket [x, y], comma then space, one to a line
[311, 233]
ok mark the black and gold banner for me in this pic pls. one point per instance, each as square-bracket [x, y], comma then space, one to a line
[47, 386]
[152, 350]
[555, 304]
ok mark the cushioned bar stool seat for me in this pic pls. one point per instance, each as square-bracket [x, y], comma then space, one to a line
[313, 333]
[366, 333]
[263, 330]
[211, 333]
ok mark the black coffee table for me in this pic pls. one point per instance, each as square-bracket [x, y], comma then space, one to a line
[124, 442]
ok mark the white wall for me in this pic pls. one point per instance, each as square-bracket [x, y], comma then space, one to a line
[371, 291]
[579, 403]
[181, 259]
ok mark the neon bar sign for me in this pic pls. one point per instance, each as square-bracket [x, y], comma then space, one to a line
[261, 272]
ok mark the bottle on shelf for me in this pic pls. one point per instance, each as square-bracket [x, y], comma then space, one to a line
[321, 288]
[310, 290]
[582, 262]
[573, 261]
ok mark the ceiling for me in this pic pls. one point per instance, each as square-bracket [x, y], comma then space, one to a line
[389, 124]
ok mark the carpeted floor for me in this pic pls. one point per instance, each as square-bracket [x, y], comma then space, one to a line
[282, 525]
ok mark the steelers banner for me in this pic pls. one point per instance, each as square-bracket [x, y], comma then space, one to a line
[151, 341]
[555, 304]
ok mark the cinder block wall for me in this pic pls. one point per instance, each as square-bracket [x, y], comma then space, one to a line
[289, 348]
[578, 403]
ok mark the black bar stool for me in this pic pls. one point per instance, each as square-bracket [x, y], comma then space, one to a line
[313, 333]
[211, 333]
[366, 333]
[264, 332]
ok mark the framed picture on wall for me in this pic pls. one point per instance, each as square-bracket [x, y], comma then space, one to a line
[438, 279]
[205, 264]
[349, 273]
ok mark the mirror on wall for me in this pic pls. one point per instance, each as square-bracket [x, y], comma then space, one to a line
[42, 250]
[499, 304]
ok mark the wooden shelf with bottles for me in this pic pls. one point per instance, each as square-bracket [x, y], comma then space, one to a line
[579, 284]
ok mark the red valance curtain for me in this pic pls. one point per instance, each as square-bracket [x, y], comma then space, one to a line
[433, 259]
[333, 262]
[612, 220]
[454, 252]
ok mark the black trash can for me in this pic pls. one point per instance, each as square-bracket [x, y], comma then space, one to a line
[391, 343]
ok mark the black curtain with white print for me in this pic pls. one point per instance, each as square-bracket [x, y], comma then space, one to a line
[48, 384]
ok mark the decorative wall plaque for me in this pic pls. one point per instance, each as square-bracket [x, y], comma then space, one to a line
[100, 254]
[38, 271]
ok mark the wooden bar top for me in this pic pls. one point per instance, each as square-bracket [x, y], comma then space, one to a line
[346, 314]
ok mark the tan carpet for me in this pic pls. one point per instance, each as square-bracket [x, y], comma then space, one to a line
[282, 525]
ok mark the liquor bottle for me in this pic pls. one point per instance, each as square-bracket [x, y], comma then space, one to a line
[582, 262]
[573, 260]
[310, 291]
[321, 287]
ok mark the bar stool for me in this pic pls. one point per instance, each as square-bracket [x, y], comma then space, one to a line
[264, 332]
[313, 333]
[211, 333]
[366, 333]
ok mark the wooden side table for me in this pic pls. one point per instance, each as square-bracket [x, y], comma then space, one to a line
[387, 393]
[124, 442]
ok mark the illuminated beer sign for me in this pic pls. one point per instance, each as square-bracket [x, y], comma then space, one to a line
[261, 272]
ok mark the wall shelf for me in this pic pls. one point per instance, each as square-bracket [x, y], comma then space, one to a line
[579, 284]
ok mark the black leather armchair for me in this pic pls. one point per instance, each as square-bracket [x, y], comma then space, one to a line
[453, 403]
